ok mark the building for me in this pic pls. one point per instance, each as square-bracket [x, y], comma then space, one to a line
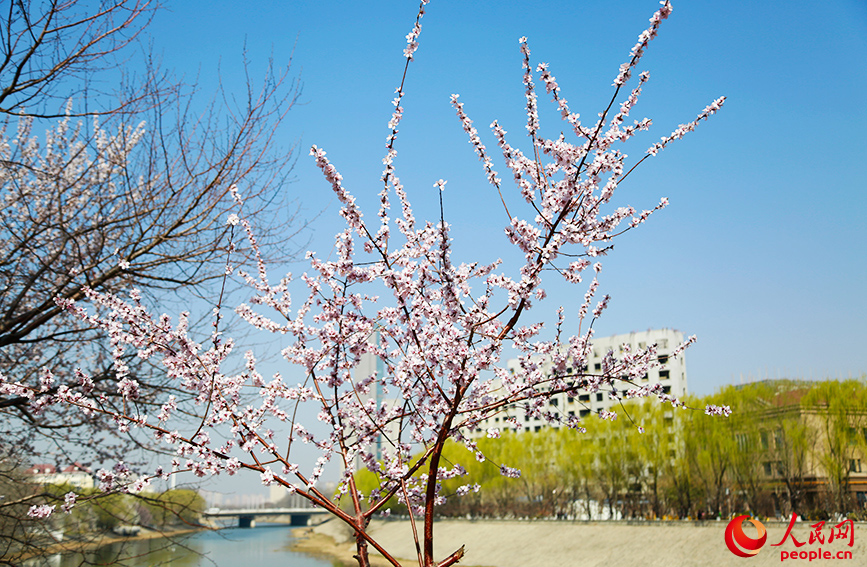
[75, 474]
[807, 453]
[670, 374]
[41, 473]
[371, 365]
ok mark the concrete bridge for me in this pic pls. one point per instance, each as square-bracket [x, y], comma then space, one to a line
[247, 517]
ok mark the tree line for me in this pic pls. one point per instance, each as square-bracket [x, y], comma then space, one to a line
[789, 446]
[93, 513]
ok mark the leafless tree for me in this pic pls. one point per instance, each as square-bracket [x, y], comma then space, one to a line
[52, 49]
[125, 190]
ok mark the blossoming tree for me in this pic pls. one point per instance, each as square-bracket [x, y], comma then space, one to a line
[106, 189]
[132, 195]
[436, 327]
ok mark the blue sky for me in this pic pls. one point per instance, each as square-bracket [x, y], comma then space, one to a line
[763, 251]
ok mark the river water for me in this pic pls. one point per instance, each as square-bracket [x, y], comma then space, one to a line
[262, 546]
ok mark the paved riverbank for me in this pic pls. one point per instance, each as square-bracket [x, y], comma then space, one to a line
[492, 543]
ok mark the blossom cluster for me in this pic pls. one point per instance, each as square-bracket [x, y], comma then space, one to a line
[643, 40]
[412, 37]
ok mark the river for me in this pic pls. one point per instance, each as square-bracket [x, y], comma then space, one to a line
[263, 546]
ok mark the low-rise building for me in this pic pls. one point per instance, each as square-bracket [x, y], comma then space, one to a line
[75, 474]
[809, 453]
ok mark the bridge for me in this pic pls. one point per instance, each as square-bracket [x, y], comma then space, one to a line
[247, 517]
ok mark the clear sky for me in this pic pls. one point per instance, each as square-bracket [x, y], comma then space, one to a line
[763, 251]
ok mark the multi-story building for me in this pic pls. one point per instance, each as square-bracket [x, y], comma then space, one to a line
[670, 374]
[809, 454]
[370, 365]
[76, 475]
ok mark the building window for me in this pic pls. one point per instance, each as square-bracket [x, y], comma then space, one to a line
[553, 401]
[664, 375]
[597, 367]
[598, 397]
[663, 359]
[584, 398]
[583, 413]
[854, 465]
[764, 437]
[570, 400]
[537, 429]
[666, 389]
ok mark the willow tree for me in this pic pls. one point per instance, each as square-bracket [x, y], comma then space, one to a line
[842, 439]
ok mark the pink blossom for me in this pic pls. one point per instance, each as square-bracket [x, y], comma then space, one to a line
[723, 411]
[69, 502]
[41, 511]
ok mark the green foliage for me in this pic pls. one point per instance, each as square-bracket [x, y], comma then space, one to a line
[113, 510]
[174, 507]
[95, 511]
[783, 440]
[841, 412]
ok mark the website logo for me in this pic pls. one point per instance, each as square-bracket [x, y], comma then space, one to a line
[740, 543]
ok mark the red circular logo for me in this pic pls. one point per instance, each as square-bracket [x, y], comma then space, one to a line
[740, 543]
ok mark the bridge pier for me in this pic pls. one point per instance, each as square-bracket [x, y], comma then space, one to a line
[247, 517]
[246, 522]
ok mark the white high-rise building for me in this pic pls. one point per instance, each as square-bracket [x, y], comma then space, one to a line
[368, 366]
[671, 374]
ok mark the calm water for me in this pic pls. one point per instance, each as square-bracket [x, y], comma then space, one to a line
[262, 546]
